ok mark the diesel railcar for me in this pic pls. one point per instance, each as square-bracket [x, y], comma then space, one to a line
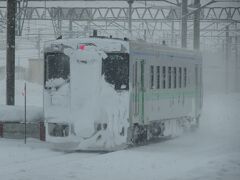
[103, 93]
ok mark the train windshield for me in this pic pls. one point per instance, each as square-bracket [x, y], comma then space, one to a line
[57, 70]
[115, 68]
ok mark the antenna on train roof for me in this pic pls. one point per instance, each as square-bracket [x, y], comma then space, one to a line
[59, 37]
[95, 33]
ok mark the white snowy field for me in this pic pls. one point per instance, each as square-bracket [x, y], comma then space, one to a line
[213, 152]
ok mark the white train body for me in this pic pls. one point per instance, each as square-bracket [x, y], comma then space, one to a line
[100, 93]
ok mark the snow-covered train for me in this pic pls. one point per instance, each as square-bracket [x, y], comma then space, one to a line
[103, 93]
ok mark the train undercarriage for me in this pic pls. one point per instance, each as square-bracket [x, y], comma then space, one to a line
[168, 128]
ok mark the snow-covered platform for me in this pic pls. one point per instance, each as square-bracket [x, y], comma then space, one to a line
[12, 119]
[17, 113]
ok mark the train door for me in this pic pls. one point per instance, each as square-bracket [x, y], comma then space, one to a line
[138, 91]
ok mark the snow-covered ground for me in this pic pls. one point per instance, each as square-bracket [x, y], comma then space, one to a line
[213, 152]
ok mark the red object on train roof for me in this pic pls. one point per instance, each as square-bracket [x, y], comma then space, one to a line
[82, 47]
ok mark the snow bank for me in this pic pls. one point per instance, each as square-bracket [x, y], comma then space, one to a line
[16, 114]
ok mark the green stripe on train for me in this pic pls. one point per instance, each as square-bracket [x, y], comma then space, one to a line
[166, 94]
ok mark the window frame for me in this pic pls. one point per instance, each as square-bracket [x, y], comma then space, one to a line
[179, 77]
[151, 77]
[158, 77]
[169, 77]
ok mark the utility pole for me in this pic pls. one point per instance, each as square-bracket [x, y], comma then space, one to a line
[59, 23]
[18, 22]
[145, 35]
[227, 58]
[39, 44]
[237, 64]
[10, 80]
[25, 113]
[130, 2]
[172, 34]
[184, 23]
[196, 26]
[70, 28]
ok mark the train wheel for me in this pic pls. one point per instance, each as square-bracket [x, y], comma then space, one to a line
[139, 134]
[135, 134]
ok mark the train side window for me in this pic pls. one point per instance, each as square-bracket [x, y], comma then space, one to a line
[135, 77]
[164, 77]
[174, 77]
[151, 77]
[180, 77]
[185, 77]
[158, 77]
[169, 77]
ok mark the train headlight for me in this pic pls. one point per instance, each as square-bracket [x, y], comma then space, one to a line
[104, 126]
[98, 127]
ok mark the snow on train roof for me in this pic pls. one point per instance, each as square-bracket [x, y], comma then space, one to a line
[118, 45]
[105, 44]
[156, 49]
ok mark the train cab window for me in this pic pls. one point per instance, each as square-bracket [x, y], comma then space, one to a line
[57, 66]
[169, 77]
[164, 77]
[180, 77]
[185, 77]
[151, 77]
[115, 68]
[158, 77]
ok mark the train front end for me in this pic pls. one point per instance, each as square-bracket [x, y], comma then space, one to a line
[86, 97]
